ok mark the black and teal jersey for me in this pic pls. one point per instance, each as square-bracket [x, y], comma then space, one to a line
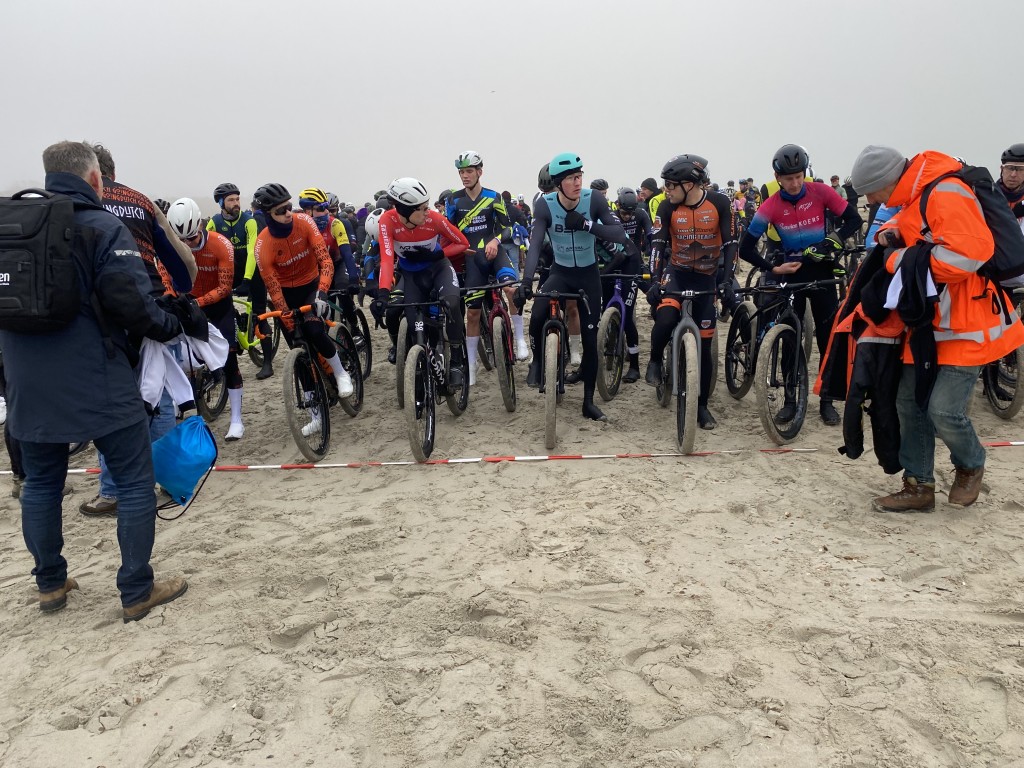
[480, 220]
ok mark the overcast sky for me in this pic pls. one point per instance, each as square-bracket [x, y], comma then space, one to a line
[348, 95]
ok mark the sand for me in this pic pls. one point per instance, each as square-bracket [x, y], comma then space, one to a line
[745, 609]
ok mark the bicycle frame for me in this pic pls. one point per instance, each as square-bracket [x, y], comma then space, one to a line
[556, 323]
[494, 306]
[685, 322]
[421, 336]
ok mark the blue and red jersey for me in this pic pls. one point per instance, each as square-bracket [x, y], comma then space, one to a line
[800, 223]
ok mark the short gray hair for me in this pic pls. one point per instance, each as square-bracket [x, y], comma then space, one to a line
[70, 157]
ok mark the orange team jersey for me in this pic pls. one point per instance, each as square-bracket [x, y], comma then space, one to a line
[295, 260]
[215, 269]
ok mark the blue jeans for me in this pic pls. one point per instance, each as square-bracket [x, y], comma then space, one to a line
[130, 460]
[946, 417]
[159, 426]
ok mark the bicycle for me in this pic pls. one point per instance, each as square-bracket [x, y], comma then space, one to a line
[309, 386]
[611, 334]
[359, 330]
[496, 323]
[556, 348]
[680, 370]
[1001, 379]
[209, 388]
[424, 373]
[248, 341]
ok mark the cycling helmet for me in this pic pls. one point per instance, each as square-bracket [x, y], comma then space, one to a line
[162, 204]
[627, 199]
[333, 203]
[373, 223]
[564, 165]
[349, 209]
[682, 168]
[544, 182]
[185, 218]
[790, 158]
[383, 202]
[599, 184]
[222, 191]
[848, 181]
[313, 197]
[443, 197]
[408, 191]
[469, 159]
[1015, 154]
[270, 196]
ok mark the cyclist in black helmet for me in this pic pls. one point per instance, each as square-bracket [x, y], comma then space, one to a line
[1011, 179]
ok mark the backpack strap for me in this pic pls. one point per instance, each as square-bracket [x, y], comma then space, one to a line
[87, 237]
[925, 227]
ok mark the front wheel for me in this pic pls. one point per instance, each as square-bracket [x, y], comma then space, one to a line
[1003, 387]
[306, 404]
[420, 415]
[688, 378]
[781, 384]
[611, 353]
[739, 351]
[504, 360]
[551, 365]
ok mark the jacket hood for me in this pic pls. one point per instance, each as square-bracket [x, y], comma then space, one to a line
[71, 185]
[920, 172]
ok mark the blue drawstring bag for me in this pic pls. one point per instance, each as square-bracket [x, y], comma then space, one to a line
[183, 457]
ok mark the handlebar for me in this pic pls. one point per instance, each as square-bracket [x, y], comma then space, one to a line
[281, 313]
[622, 275]
[557, 296]
[490, 286]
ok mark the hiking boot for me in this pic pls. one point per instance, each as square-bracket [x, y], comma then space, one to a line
[966, 486]
[533, 374]
[704, 418]
[58, 598]
[163, 592]
[786, 414]
[101, 506]
[829, 414]
[653, 376]
[913, 497]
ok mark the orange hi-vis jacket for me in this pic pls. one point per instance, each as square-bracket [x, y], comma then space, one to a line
[970, 326]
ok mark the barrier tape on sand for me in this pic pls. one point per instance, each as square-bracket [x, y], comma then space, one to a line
[501, 459]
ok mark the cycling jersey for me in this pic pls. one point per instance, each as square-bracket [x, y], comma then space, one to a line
[242, 233]
[800, 224]
[638, 228]
[709, 224]
[571, 248]
[767, 190]
[215, 269]
[436, 234]
[297, 259]
[480, 220]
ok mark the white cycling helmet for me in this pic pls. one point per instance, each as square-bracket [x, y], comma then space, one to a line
[469, 159]
[408, 191]
[373, 223]
[185, 218]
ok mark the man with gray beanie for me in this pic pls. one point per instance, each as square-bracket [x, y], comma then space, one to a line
[967, 327]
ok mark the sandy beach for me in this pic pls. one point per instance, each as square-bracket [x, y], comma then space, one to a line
[742, 609]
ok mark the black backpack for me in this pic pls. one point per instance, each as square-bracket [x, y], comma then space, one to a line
[40, 289]
[1006, 266]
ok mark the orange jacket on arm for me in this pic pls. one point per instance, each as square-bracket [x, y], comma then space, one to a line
[969, 325]
[215, 270]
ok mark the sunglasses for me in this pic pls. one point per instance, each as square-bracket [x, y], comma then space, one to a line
[281, 210]
[672, 185]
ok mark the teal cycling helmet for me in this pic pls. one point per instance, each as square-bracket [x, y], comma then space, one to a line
[564, 165]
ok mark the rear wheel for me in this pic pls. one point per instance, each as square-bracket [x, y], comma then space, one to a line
[211, 392]
[611, 351]
[363, 342]
[420, 414]
[306, 404]
[504, 362]
[401, 345]
[808, 324]
[663, 391]
[739, 351]
[714, 363]
[687, 362]
[255, 348]
[349, 356]
[458, 401]
[1003, 386]
[781, 382]
[485, 346]
[550, 389]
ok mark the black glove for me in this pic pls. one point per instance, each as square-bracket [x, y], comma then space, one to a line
[654, 294]
[242, 289]
[379, 304]
[1018, 210]
[523, 292]
[190, 315]
[576, 222]
[824, 250]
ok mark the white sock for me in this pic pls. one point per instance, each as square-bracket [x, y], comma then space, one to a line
[471, 350]
[235, 402]
[336, 367]
[576, 344]
[517, 324]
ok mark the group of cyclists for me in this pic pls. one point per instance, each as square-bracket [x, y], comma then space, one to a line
[679, 235]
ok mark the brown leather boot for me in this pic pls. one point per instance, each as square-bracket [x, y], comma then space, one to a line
[163, 592]
[913, 497]
[966, 486]
[58, 598]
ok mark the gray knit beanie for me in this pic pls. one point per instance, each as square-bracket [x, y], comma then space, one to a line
[876, 167]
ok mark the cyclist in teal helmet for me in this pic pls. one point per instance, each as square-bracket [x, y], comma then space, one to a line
[573, 218]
